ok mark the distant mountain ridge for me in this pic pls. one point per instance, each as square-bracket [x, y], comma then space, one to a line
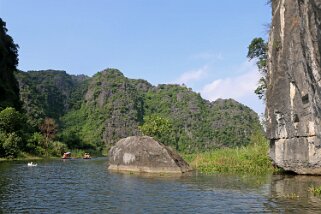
[97, 111]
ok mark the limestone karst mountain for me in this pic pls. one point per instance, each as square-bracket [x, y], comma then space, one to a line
[294, 87]
[98, 111]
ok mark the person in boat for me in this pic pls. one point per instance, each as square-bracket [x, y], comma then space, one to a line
[66, 155]
[87, 156]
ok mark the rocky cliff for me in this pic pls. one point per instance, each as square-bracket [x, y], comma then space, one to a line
[100, 110]
[294, 85]
[49, 93]
[9, 91]
[114, 107]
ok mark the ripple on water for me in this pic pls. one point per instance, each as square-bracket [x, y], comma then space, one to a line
[78, 186]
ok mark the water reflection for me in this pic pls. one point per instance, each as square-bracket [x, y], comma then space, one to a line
[79, 186]
[291, 193]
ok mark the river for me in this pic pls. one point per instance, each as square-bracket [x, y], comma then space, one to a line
[86, 186]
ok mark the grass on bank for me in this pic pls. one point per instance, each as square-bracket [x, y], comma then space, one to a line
[75, 153]
[24, 156]
[315, 190]
[251, 159]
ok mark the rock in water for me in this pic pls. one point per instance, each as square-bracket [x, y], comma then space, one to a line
[144, 154]
[294, 85]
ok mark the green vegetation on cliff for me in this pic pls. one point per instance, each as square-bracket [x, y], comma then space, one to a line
[199, 125]
[111, 109]
[94, 113]
[49, 93]
[9, 91]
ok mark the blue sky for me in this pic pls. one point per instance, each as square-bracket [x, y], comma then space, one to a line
[202, 43]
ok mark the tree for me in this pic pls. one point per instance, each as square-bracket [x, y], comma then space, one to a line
[10, 120]
[9, 89]
[34, 143]
[48, 129]
[8, 47]
[11, 145]
[157, 127]
[258, 50]
[11, 132]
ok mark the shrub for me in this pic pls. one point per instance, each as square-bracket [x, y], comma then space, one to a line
[11, 145]
[10, 120]
[252, 158]
[157, 127]
[57, 148]
[35, 144]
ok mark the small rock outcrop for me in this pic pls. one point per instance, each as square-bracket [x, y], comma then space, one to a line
[294, 86]
[144, 154]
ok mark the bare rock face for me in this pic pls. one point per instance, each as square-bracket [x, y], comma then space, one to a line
[294, 85]
[144, 154]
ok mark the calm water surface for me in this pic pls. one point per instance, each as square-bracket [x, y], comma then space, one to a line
[85, 186]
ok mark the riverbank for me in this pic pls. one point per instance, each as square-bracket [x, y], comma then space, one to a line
[23, 156]
[75, 154]
[250, 159]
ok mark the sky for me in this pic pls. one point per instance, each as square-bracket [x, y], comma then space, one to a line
[199, 43]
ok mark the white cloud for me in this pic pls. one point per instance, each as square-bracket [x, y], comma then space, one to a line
[233, 87]
[240, 88]
[192, 76]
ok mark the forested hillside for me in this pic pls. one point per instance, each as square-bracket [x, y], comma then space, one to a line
[96, 112]
[49, 93]
[9, 91]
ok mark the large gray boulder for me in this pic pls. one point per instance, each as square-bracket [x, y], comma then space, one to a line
[294, 85]
[144, 154]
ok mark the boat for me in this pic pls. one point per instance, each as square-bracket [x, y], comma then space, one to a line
[32, 164]
[66, 155]
[87, 156]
